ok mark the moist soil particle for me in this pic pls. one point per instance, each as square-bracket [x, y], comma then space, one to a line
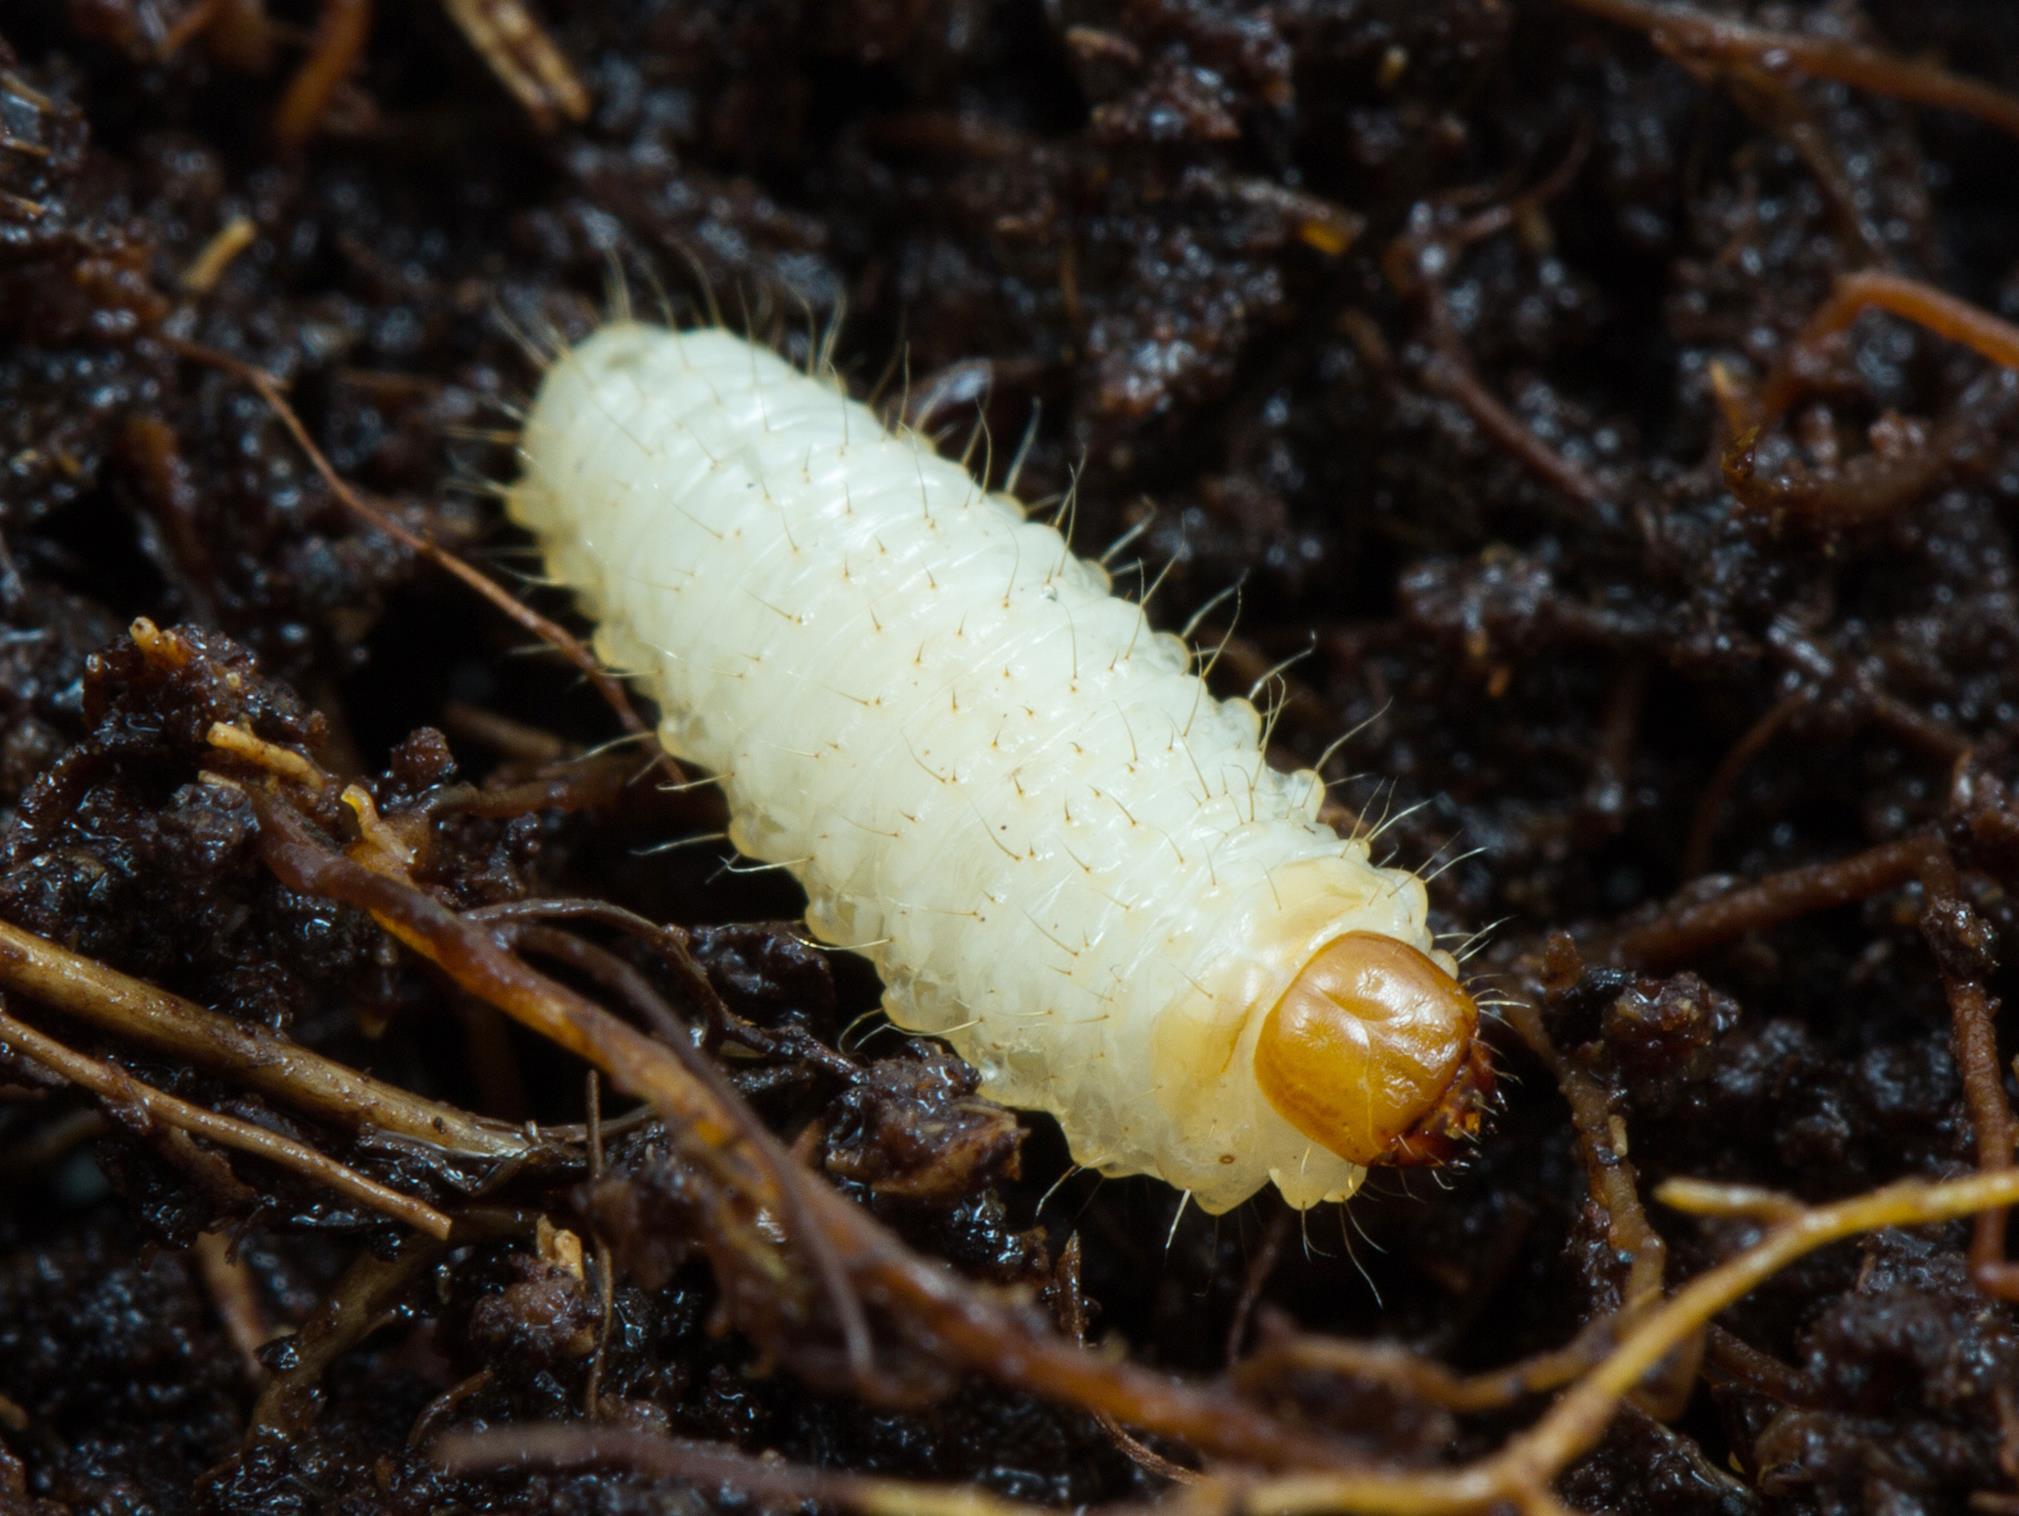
[1433, 327]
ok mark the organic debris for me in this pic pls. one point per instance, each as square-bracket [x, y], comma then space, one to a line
[1605, 410]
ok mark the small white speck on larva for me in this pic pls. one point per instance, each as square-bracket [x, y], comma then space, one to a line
[1151, 938]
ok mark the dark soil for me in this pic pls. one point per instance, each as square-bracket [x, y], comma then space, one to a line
[1407, 316]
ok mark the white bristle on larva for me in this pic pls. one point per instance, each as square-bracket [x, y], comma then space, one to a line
[991, 776]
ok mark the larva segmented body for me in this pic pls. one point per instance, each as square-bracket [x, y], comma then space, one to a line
[994, 779]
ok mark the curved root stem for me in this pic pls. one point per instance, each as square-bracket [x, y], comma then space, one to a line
[124, 1093]
[1519, 1474]
[1694, 35]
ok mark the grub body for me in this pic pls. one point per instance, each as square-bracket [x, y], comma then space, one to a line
[992, 776]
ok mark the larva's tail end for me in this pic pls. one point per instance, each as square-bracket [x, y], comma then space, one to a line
[1374, 1054]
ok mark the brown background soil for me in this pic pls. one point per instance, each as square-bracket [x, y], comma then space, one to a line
[1406, 317]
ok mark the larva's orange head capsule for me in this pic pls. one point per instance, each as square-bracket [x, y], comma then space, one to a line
[1373, 1053]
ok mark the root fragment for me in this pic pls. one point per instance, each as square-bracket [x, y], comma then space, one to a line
[1693, 34]
[1518, 1475]
[342, 28]
[1912, 300]
[1877, 485]
[359, 1301]
[1681, 933]
[555, 636]
[124, 1092]
[1451, 372]
[272, 1065]
[1964, 948]
[526, 60]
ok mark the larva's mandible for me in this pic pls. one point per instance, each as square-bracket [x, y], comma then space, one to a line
[993, 778]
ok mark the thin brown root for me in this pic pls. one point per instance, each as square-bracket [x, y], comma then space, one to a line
[585, 784]
[1716, 39]
[1682, 932]
[670, 945]
[1963, 945]
[1427, 1380]
[1072, 1309]
[1601, 1140]
[1522, 1469]
[234, 1295]
[510, 39]
[123, 1092]
[270, 756]
[33, 1158]
[1743, 1202]
[1865, 489]
[1934, 737]
[237, 33]
[1451, 372]
[196, 18]
[1717, 792]
[354, 1307]
[274, 1066]
[217, 255]
[1519, 1474]
[342, 28]
[1261, 1265]
[549, 632]
[704, 1465]
[1881, 483]
[502, 734]
[1912, 300]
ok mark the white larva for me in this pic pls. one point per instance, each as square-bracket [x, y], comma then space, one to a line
[994, 779]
